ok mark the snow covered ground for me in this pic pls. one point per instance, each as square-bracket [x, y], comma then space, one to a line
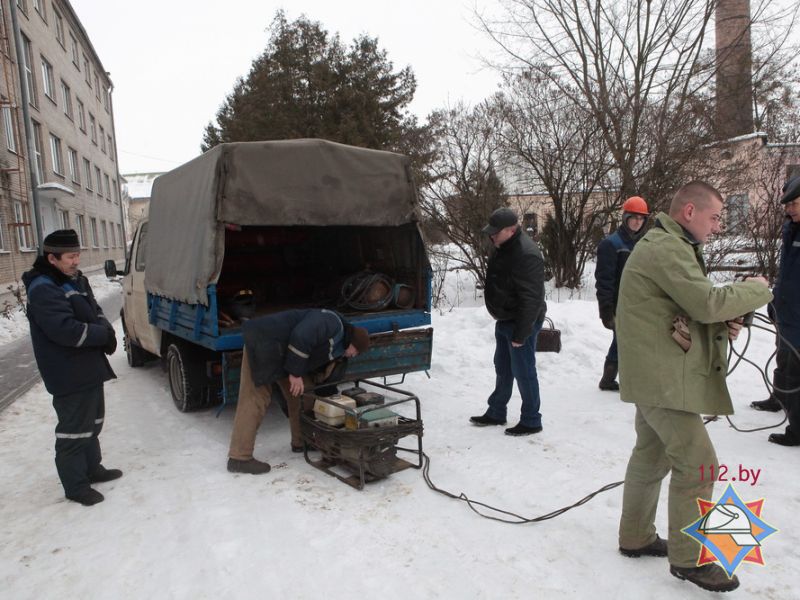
[178, 525]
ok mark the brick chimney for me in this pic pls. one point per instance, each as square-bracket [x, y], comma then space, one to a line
[734, 102]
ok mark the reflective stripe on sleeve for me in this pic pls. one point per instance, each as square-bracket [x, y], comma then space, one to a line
[83, 336]
[298, 352]
[74, 436]
[98, 421]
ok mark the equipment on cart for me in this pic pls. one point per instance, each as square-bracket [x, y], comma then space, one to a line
[361, 440]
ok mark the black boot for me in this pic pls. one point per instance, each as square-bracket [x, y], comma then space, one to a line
[771, 404]
[608, 383]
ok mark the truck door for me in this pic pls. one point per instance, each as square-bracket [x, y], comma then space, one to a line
[136, 316]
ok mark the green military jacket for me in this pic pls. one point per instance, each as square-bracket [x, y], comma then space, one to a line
[664, 277]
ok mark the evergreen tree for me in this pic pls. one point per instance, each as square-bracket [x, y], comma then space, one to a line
[308, 84]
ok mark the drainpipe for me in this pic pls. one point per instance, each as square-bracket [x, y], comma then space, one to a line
[26, 119]
[116, 163]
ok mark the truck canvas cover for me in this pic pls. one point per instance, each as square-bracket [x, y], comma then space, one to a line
[292, 182]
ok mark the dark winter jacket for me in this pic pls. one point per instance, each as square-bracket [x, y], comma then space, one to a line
[295, 342]
[515, 284]
[612, 253]
[787, 288]
[68, 330]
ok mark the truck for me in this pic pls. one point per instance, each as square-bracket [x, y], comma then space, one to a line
[252, 228]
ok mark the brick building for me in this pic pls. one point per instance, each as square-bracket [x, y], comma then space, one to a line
[58, 157]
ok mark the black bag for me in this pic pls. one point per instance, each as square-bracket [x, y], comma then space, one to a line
[549, 338]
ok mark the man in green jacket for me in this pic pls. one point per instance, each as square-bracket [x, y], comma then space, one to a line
[675, 376]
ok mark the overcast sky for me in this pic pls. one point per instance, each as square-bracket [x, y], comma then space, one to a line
[173, 62]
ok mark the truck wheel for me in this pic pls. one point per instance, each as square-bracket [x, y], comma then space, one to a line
[185, 378]
[137, 355]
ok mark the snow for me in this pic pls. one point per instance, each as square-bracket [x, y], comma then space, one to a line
[178, 525]
[14, 323]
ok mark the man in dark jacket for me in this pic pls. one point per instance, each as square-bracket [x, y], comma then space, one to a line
[71, 337]
[286, 348]
[612, 253]
[514, 295]
[786, 377]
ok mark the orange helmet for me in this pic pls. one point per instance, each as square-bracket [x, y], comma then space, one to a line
[635, 205]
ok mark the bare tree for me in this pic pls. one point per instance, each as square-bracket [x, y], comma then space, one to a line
[560, 149]
[463, 187]
[635, 67]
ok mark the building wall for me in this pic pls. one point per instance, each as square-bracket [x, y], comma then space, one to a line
[72, 115]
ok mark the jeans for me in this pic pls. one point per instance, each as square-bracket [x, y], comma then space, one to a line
[612, 355]
[518, 364]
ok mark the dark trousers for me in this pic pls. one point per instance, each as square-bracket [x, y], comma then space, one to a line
[80, 419]
[787, 377]
[518, 364]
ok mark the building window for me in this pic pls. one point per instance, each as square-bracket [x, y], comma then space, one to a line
[47, 80]
[116, 191]
[96, 86]
[23, 226]
[102, 139]
[107, 99]
[72, 161]
[110, 148]
[737, 209]
[80, 223]
[23, 6]
[59, 27]
[108, 187]
[73, 49]
[66, 99]
[120, 237]
[81, 115]
[93, 129]
[87, 174]
[93, 224]
[63, 219]
[104, 230]
[30, 80]
[99, 181]
[40, 8]
[87, 76]
[113, 235]
[10, 127]
[3, 243]
[55, 150]
[37, 150]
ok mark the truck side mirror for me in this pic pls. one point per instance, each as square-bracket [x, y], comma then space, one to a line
[110, 267]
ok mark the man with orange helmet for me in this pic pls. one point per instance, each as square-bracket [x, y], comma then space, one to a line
[612, 252]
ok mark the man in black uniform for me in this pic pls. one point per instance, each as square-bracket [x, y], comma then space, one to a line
[514, 295]
[71, 337]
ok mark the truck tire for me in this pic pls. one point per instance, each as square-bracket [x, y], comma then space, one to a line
[186, 377]
[137, 355]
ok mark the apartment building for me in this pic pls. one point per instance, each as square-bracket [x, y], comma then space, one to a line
[58, 156]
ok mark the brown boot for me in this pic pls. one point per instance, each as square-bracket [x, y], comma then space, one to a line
[252, 466]
[608, 383]
[710, 577]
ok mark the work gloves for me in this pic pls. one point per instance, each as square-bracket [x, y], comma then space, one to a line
[111, 342]
[607, 317]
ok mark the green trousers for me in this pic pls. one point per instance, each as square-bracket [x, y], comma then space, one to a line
[666, 441]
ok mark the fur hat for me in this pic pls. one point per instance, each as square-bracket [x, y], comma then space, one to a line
[61, 241]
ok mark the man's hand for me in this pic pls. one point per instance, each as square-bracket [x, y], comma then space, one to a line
[734, 327]
[761, 280]
[296, 385]
[111, 342]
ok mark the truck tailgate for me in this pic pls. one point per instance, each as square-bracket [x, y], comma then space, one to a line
[393, 354]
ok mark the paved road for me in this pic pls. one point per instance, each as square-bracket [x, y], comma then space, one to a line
[18, 372]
